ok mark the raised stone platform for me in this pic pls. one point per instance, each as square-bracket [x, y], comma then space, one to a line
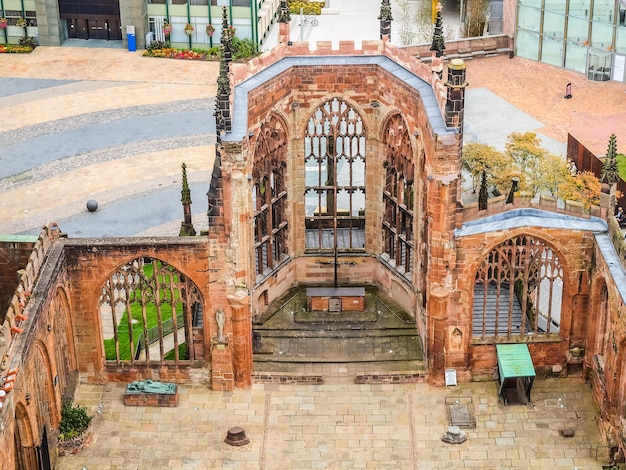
[149, 393]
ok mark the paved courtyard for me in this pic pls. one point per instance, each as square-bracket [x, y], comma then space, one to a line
[342, 426]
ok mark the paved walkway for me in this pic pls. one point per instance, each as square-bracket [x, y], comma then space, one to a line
[115, 129]
[342, 427]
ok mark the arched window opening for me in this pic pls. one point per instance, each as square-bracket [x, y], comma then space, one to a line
[269, 196]
[334, 164]
[518, 290]
[398, 195]
[148, 309]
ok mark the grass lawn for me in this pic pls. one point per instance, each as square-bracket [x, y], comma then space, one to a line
[152, 319]
[122, 329]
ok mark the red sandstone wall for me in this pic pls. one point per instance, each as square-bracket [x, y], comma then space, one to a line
[358, 85]
[13, 257]
[90, 261]
[609, 385]
[574, 250]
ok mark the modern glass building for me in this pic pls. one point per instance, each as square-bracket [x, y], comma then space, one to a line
[588, 36]
[52, 22]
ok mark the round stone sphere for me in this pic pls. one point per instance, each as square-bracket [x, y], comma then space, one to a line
[92, 206]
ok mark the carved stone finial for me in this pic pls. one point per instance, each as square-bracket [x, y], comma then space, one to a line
[227, 37]
[385, 18]
[438, 45]
[186, 226]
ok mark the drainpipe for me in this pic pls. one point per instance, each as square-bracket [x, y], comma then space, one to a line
[210, 22]
[189, 21]
[230, 12]
[255, 21]
[24, 33]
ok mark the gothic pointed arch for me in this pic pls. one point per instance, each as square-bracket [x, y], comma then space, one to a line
[518, 290]
[48, 410]
[148, 309]
[269, 195]
[600, 323]
[334, 165]
[24, 439]
[64, 352]
[398, 195]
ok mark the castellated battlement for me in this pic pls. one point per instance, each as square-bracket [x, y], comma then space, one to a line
[243, 71]
[498, 205]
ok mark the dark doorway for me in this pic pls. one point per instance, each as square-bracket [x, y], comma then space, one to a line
[94, 28]
[43, 453]
[99, 19]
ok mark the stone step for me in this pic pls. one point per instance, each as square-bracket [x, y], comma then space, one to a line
[331, 333]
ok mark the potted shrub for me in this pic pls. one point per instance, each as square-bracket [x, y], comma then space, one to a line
[210, 29]
[21, 23]
[189, 29]
[75, 430]
[3, 23]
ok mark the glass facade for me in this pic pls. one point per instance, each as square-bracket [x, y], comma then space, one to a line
[580, 35]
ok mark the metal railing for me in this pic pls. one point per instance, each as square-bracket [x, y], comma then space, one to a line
[154, 334]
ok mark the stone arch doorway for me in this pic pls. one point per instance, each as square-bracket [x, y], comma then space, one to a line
[149, 311]
[26, 456]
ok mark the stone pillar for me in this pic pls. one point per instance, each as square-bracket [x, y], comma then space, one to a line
[437, 307]
[51, 29]
[134, 12]
[242, 341]
[222, 377]
[455, 102]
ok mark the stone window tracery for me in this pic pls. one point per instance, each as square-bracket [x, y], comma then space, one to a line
[518, 290]
[398, 195]
[269, 196]
[163, 305]
[334, 165]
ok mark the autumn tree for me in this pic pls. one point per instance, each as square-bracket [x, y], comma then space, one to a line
[498, 167]
[551, 171]
[584, 187]
[538, 171]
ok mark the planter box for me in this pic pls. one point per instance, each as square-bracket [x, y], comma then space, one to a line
[76, 444]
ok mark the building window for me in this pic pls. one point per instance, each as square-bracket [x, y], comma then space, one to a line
[518, 290]
[334, 164]
[147, 311]
[269, 196]
[398, 195]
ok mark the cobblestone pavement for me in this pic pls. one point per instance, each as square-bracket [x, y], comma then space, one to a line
[343, 426]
